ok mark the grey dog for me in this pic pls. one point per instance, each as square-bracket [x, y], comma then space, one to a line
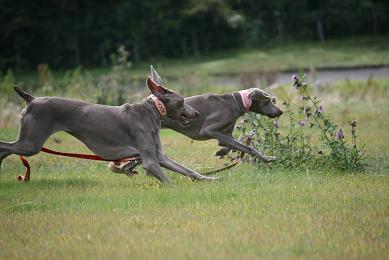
[111, 132]
[217, 118]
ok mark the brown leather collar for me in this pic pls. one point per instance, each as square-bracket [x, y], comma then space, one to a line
[160, 106]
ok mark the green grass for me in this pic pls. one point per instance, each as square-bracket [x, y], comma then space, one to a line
[337, 53]
[78, 209]
[270, 57]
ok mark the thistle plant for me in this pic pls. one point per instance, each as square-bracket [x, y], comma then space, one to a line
[113, 86]
[307, 136]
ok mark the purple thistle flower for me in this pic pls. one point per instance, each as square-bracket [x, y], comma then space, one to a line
[339, 134]
[296, 82]
[276, 124]
[301, 123]
[320, 110]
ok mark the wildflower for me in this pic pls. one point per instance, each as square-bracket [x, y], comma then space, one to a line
[276, 124]
[296, 82]
[339, 134]
[301, 123]
[320, 110]
[308, 111]
[353, 126]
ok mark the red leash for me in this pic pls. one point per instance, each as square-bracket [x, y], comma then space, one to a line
[26, 177]
[85, 156]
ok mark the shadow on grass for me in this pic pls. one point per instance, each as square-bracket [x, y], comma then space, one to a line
[48, 183]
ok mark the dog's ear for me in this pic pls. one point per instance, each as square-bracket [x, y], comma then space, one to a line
[155, 76]
[156, 89]
[258, 94]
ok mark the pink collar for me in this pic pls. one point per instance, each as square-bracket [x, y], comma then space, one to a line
[246, 99]
[159, 105]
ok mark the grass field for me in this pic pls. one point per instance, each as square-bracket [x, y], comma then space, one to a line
[267, 58]
[78, 209]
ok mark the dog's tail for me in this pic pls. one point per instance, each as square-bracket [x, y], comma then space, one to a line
[27, 97]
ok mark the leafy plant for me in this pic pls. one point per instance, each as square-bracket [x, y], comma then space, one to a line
[307, 137]
[113, 85]
[6, 84]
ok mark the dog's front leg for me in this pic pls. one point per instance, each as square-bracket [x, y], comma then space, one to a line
[167, 163]
[228, 141]
[151, 165]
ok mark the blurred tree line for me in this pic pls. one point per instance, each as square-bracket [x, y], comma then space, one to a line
[65, 33]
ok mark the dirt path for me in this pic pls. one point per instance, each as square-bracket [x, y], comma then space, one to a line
[342, 74]
[322, 76]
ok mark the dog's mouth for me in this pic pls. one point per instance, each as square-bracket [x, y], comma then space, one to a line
[276, 114]
[183, 120]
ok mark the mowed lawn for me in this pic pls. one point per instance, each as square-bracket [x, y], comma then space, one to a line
[78, 209]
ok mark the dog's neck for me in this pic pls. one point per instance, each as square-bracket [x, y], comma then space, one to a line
[156, 115]
[160, 106]
[246, 99]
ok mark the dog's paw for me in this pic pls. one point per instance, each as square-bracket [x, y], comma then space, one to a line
[114, 167]
[268, 159]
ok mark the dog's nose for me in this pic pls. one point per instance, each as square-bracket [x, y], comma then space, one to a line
[280, 113]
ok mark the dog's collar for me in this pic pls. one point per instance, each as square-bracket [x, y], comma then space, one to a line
[246, 99]
[159, 105]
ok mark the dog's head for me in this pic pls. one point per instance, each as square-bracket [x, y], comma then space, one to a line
[263, 104]
[176, 108]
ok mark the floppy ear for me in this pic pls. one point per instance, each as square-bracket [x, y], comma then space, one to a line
[155, 76]
[257, 94]
[155, 89]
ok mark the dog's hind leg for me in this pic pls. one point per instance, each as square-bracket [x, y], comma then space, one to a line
[4, 152]
[32, 136]
[223, 151]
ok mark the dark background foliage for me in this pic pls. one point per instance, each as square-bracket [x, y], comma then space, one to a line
[65, 33]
